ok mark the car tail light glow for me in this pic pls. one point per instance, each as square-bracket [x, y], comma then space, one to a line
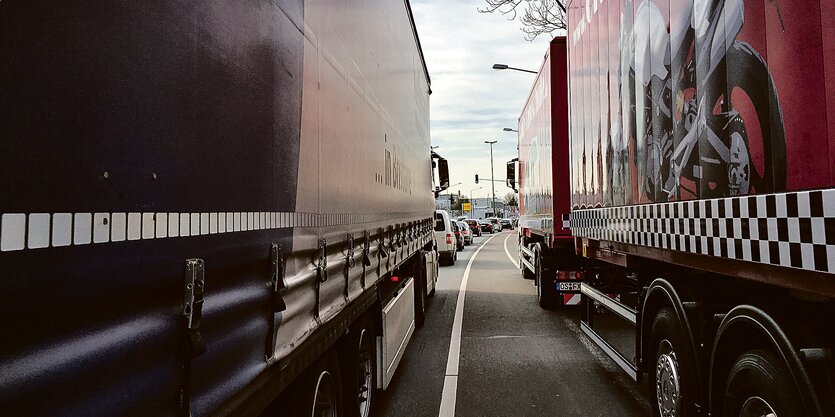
[449, 238]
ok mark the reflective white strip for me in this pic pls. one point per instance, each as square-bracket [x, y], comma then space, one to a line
[20, 231]
[38, 230]
[13, 231]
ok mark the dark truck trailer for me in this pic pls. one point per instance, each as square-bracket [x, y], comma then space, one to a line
[210, 208]
[701, 144]
[700, 198]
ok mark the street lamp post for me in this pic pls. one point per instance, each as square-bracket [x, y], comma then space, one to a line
[492, 178]
[505, 67]
[472, 209]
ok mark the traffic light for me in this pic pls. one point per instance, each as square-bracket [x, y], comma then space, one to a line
[476, 178]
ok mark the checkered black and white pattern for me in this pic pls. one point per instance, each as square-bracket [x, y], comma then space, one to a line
[792, 229]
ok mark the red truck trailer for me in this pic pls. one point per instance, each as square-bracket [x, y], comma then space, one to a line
[702, 135]
[211, 207]
[541, 176]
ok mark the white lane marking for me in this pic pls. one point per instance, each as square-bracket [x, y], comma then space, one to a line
[505, 336]
[451, 377]
[508, 252]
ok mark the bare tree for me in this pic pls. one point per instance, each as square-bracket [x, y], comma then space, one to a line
[538, 17]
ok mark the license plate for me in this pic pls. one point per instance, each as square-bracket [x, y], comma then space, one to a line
[568, 286]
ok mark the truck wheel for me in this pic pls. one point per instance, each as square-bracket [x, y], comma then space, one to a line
[320, 389]
[673, 378]
[420, 301]
[360, 374]
[545, 291]
[759, 384]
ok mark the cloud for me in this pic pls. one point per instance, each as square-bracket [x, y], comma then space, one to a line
[471, 102]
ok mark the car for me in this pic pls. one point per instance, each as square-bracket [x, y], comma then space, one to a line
[474, 226]
[486, 226]
[459, 218]
[445, 238]
[507, 224]
[497, 225]
[466, 233]
[459, 238]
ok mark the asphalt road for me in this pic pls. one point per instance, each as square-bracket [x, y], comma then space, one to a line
[515, 359]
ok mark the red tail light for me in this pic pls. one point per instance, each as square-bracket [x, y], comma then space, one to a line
[449, 238]
[395, 278]
[569, 275]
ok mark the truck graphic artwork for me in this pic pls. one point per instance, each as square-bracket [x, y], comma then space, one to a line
[693, 101]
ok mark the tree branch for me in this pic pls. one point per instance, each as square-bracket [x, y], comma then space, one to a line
[539, 17]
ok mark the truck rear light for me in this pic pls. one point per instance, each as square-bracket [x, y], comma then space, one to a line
[569, 275]
[449, 238]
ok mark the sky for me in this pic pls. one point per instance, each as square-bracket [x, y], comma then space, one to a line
[470, 101]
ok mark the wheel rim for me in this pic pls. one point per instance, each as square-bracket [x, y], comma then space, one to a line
[667, 381]
[324, 398]
[365, 373]
[757, 407]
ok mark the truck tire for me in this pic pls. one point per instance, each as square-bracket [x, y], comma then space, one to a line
[546, 293]
[319, 392]
[673, 378]
[420, 300]
[359, 377]
[759, 383]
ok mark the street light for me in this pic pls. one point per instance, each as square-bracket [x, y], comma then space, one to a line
[492, 178]
[505, 67]
[507, 129]
[472, 209]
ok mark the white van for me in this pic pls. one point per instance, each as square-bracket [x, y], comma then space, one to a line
[447, 247]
